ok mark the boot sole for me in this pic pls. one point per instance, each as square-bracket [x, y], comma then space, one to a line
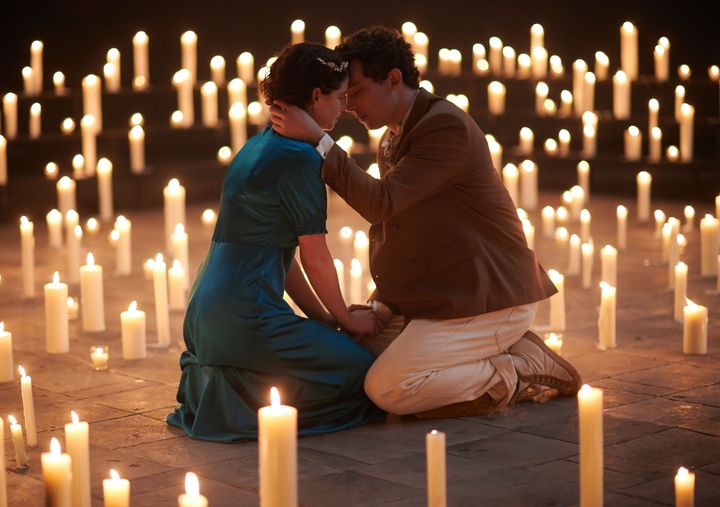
[571, 390]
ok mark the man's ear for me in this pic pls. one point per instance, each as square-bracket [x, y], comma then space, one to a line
[395, 77]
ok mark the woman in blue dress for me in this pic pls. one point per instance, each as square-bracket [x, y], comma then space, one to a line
[241, 336]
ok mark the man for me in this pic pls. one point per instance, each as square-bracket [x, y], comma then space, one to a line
[448, 254]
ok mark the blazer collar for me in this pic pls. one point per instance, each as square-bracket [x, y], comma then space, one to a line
[418, 110]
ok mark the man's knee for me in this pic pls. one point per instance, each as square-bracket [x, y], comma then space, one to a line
[386, 391]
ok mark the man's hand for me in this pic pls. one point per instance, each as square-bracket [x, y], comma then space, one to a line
[363, 322]
[293, 122]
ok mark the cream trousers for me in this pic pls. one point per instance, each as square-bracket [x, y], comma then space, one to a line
[433, 363]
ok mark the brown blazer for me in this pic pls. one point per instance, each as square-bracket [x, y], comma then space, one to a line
[445, 240]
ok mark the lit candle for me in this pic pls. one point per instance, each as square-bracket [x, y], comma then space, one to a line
[684, 488]
[537, 36]
[496, 152]
[277, 441]
[225, 155]
[529, 231]
[478, 55]
[6, 356]
[602, 65]
[57, 476]
[361, 247]
[561, 238]
[679, 101]
[714, 73]
[10, 101]
[590, 425]
[578, 201]
[188, 43]
[588, 251]
[35, 120]
[436, 474]
[56, 316]
[54, 225]
[585, 221]
[523, 68]
[148, 268]
[509, 62]
[340, 272]
[111, 73]
[510, 176]
[77, 443]
[36, 63]
[123, 248]
[589, 141]
[541, 93]
[89, 143]
[356, 274]
[495, 57]
[116, 491]
[133, 331]
[659, 222]
[174, 209]
[554, 342]
[661, 57]
[653, 112]
[608, 260]
[297, 31]
[496, 98]
[176, 285]
[557, 70]
[695, 323]
[105, 191]
[217, 70]
[92, 100]
[527, 138]
[687, 117]
[209, 94]
[238, 126]
[589, 92]
[539, 62]
[667, 230]
[136, 140]
[420, 42]
[583, 178]
[3, 161]
[681, 272]
[160, 289]
[51, 170]
[78, 165]
[140, 61]
[255, 114]
[18, 442]
[606, 320]
[66, 194]
[549, 107]
[179, 241]
[672, 153]
[644, 181]
[246, 67]
[99, 356]
[548, 221]
[574, 256]
[92, 299]
[564, 143]
[529, 185]
[689, 213]
[709, 245]
[208, 219]
[580, 68]
[333, 36]
[27, 251]
[684, 72]
[655, 148]
[183, 82]
[673, 253]
[557, 302]
[621, 96]
[73, 307]
[633, 143]
[192, 496]
[629, 50]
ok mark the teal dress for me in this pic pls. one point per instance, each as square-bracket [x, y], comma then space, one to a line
[242, 338]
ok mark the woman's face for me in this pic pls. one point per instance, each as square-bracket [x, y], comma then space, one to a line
[325, 108]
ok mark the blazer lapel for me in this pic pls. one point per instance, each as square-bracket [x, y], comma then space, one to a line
[419, 108]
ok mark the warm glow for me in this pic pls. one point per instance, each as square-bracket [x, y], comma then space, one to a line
[177, 117]
[522, 214]
[51, 170]
[115, 235]
[274, 397]
[159, 259]
[604, 286]
[495, 42]
[22, 371]
[253, 109]
[12, 420]
[427, 85]
[56, 277]
[24, 220]
[355, 267]
[644, 177]
[55, 448]
[690, 304]
[297, 26]
[176, 265]
[496, 87]
[633, 131]
[682, 472]
[179, 229]
[333, 32]
[564, 136]
[585, 390]
[587, 248]
[114, 475]
[542, 88]
[208, 216]
[74, 417]
[346, 232]
[188, 37]
[132, 306]
[137, 120]
[173, 184]
[2, 326]
[224, 154]
[374, 171]
[65, 182]
[90, 259]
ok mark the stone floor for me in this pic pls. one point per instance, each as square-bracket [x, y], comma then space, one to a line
[662, 408]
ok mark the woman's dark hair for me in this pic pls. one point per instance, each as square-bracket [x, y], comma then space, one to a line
[301, 68]
[380, 49]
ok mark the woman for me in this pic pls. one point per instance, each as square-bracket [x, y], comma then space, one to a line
[242, 338]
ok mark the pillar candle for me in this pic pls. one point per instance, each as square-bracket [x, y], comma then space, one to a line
[57, 476]
[356, 274]
[510, 176]
[57, 330]
[509, 62]
[659, 222]
[297, 31]
[714, 72]
[478, 54]
[54, 225]
[10, 101]
[679, 101]
[689, 213]
[89, 143]
[73, 307]
[633, 143]
[495, 56]
[590, 425]
[709, 245]
[18, 442]
[27, 252]
[333, 36]
[141, 67]
[673, 256]
[608, 264]
[238, 126]
[621, 96]
[541, 93]
[644, 181]
[523, 68]
[136, 140]
[578, 85]
[665, 235]
[537, 35]
[116, 491]
[28, 407]
[589, 141]
[246, 67]
[35, 128]
[51, 170]
[684, 488]
[687, 116]
[361, 248]
[123, 248]
[111, 73]
[606, 319]
[209, 104]
[681, 272]
[66, 194]
[585, 221]
[28, 81]
[529, 231]
[621, 214]
[602, 65]
[695, 323]
[179, 240]
[192, 496]
[3, 161]
[653, 112]
[105, 191]
[589, 91]
[237, 92]
[36, 63]
[564, 142]
[6, 355]
[561, 238]
[548, 221]
[528, 185]
[525, 146]
[655, 145]
[3, 466]
[74, 240]
[277, 443]
[436, 474]
[183, 82]
[496, 98]
[133, 332]
[661, 57]
[174, 209]
[92, 299]
[583, 178]
[78, 165]
[557, 71]
[188, 43]
[684, 72]
[92, 100]
[78, 447]
[557, 302]
[160, 289]
[574, 256]
[217, 70]
[420, 43]
[629, 50]
[588, 251]
[496, 152]
[176, 285]
[539, 62]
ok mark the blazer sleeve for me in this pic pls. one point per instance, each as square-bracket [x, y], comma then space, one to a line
[437, 154]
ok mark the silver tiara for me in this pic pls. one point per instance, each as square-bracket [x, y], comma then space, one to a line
[334, 66]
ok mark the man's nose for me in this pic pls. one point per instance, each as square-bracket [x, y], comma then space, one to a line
[349, 105]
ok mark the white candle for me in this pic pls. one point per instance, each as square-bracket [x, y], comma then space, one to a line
[297, 31]
[653, 112]
[174, 209]
[684, 72]
[176, 285]
[529, 231]
[672, 153]
[529, 185]
[580, 68]
[574, 256]
[666, 232]
[709, 245]
[57, 476]
[561, 237]
[537, 35]
[695, 323]
[589, 141]
[495, 57]
[496, 98]
[277, 442]
[608, 262]
[687, 117]
[10, 101]
[525, 146]
[602, 65]
[180, 252]
[557, 302]
[585, 221]
[679, 101]
[100, 355]
[557, 71]
[681, 272]
[633, 143]
[589, 92]
[684, 488]
[56, 317]
[6, 356]
[714, 73]
[160, 289]
[606, 320]
[35, 121]
[246, 67]
[54, 225]
[27, 252]
[548, 221]
[92, 299]
[356, 275]
[73, 307]
[436, 474]
[208, 93]
[644, 181]
[590, 425]
[51, 170]
[111, 73]
[192, 496]
[3, 466]
[116, 491]
[188, 43]
[583, 178]
[340, 272]
[237, 92]
[554, 342]
[478, 54]
[140, 61]
[89, 143]
[133, 331]
[78, 165]
[510, 176]
[661, 57]
[564, 142]
[655, 147]
[333, 36]
[78, 447]
[496, 152]
[36, 63]
[28, 407]
[217, 70]
[105, 191]
[66, 194]
[420, 42]
[183, 82]
[361, 247]
[238, 126]
[689, 213]
[659, 222]
[92, 100]
[509, 61]
[541, 93]
[539, 62]
[523, 69]
[74, 240]
[18, 442]
[588, 251]
[136, 140]
[629, 50]
[621, 96]
[3, 161]
[123, 248]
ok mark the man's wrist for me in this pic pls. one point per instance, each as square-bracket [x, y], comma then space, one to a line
[324, 145]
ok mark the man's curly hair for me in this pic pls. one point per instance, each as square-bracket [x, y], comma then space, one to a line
[380, 49]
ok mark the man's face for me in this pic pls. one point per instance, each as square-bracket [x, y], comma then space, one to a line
[368, 100]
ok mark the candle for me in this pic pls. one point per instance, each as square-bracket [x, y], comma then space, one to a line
[510, 176]
[689, 213]
[590, 425]
[123, 248]
[255, 114]
[687, 116]
[10, 101]
[99, 356]
[608, 262]
[132, 323]
[537, 35]
[478, 55]
[66, 194]
[246, 67]
[709, 245]
[89, 143]
[529, 231]
[549, 107]
[496, 152]
[495, 57]
[27, 251]
[561, 237]
[602, 64]
[73, 307]
[361, 247]
[136, 139]
[420, 43]
[35, 120]
[51, 170]
[92, 100]
[633, 143]
[629, 50]
[644, 181]
[18, 442]
[183, 82]
[606, 320]
[6, 355]
[564, 142]
[74, 238]
[57, 476]
[574, 256]
[140, 61]
[3, 161]
[653, 112]
[277, 443]
[539, 62]
[583, 177]
[528, 185]
[116, 491]
[684, 488]
[105, 191]
[496, 98]
[340, 272]
[3, 466]
[208, 93]
[54, 225]
[136, 119]
[679, 101]
[556, 67]
[659, 222]
[174, 209]
[188, 43]
[672, 153]
[661, 57]
[667, 231]
[589, 141]
[523, 69]
[176, 285]
[655, 148]
[217, 70]
[78, 165]
[333, 36]
[237, 92]
[681, 272]
[548, 221]
[56, 317]
[587, 251]
[527, 138]
[192, 496]
[695, 322]
[714, 73]
[77, 443]
[92, 300]
[557, 302]
[111, 73]
[541, 93]
[238, 126]
[436, 474]
[36, 63]
[554, 342]
[297, 30]
[589, 91]
[160, 289]
[580, 68]
[356, 274]
[684, 72]
[509, 62]
[179, 241]
[585, 221]
[208, 219]
[621, 95]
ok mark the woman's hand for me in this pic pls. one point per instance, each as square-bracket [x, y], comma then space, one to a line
[363, 322]
[294, 122]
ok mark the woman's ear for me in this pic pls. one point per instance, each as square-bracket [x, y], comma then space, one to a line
[316, 95]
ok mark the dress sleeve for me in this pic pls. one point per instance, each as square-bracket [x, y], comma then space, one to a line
[301, 193]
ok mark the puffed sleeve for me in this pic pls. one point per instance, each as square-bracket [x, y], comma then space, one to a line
[301, 192]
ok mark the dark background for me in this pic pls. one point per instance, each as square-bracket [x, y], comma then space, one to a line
[77, 33]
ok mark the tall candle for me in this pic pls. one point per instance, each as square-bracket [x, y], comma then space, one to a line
[602, 64]
[78, 447]
[655, 145]
[689, 213]
[136, 139]
[523, 68]
[183, 82]
[606, 320]
[621, 96]
[74, 239]
[180, 252]
[35, 121]
[583, 178]
[89, 143]
[564, 142]
[527, 138]
[333, 36]
[695, 323]
[633, 143]
[629, 50]
[111, 73]
[246, 67]
[661, 57]
[54, 225]
[133, 331]
[548, 221]
[3, 161]
[174, 209]
[509, 61]
[238, 126]
[684, 488]
[495, 56]
[574, 256]
[116, 491]
[580, 68]
[529, 231]
[679, 101]
[478, 55]
[659, 222]
[277, 443]
[590, 425]
[57, 476]
[539, 62]
[3, 466]
[361, 247]
[18, 442]
[162, 316]
[436, 474]
[123, 248]
[673, 255]
[496, 98]
[57, 330]
[681, 272]
[66, 194]
[105, 191]
[541, 93]
[510, 176]
[92, 299]
[297, 31]
[557, 302]
[36, 63]
[176, 285]
[709, 245]
[356, 275]
[621, 214]
[588, 251]
[589, 141]
[92, 100]
[27, 252]
[192, 496]
[28, 407]
[6, 355]
[208, 93]
[608, 260]
[10, 101]
[188, 43]
[644, 181]
[585, 221]
[653, 113]
[140, 61]
[589, 91]
[217, 70]
[528, 185]
[687, 116]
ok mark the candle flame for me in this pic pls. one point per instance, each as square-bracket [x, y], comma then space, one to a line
[346, 232]
[90, 259]
[689, 303]
[179, 229]
[682, 472]
[605, 285]
[99, 351]
[159, 258]
[74, 417]
[174, 184]
[22, 371]
[434, 432]
[12, 420]
[55, 448]
[274, 397]
[114, 475]
[133, 306]
[56, 277]
[2, 326]
[585, 389]
[115, 235]
[192, 484]
[24, 220]
[176, 264]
